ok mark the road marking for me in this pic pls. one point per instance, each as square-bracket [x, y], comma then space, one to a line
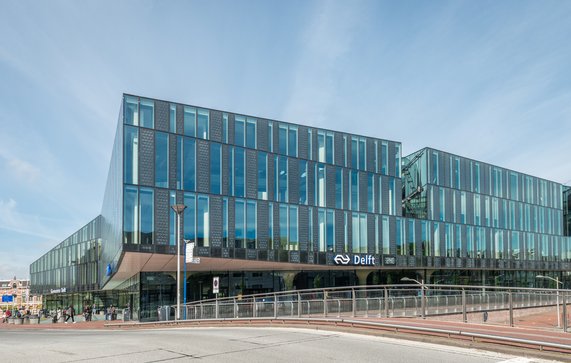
[517, 360]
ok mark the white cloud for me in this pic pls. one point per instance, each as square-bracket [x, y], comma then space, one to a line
[32, 225]
[23, 170]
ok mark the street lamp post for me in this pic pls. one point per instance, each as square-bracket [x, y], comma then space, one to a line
[557, 282]
[178, 209]
[422, 295]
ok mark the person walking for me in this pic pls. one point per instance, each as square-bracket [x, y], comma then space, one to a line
[70, 314]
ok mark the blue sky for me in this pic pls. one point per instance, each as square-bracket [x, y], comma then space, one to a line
[489, 80]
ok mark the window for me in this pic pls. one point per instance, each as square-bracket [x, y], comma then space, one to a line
[189, 217]
[442, 204]
[302, 181]
[189, 121]
[477, 210]
[384, 158]
[310, 144]
[203, 121]
[131, 111]
[399, 237]
[293, 241]
[215, 168]
[130, 215]
[462, 207]
[434, 168]
[476, 178]
[448, 240]
[146, 206]
[411, 241]
[271, 226]
[437, 239]
[147, 113]
[239, 234]
[161, 160]
[172, 219]
[287, 138]
[271, 136]
[202, 222]
[392, 197]
[131, 151]
[329, 151]
[514, 191]
[262, 175]
[282, 139]
[425, 238]
[469, 242]
[172, 118]
[320, 185]
[339, 188]
[282, 178]
[310, 247]
[326, 230]
[354, 193]
[292, 141]
[354, 153]
[283, 227]
[251, 240]
[239, 130]
[456, 173]
[251, 133]
[359, 227]
[321, 146]
[345, 155]
[330, 231]
[386, 235]
[239, 168]
[362, 154]
[397, 160]
[189, 164]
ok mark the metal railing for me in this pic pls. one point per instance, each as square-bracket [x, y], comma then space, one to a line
[382, 301]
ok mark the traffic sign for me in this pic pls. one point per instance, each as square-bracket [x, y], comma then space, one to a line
[215, 284]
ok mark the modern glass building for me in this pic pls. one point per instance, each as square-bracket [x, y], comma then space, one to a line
[272, 205]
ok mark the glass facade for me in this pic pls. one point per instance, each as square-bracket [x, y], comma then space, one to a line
[272, 191]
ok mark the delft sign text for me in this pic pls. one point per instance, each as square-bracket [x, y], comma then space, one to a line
[356, 260]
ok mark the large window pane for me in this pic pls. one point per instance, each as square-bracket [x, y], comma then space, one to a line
[320, 146]
[271, 226]
[292, 141]
[262, 175]
[190, 121]
[202, 222]
[282, 179]
[172, 219]
[384, 158]
[189, 164]
[131, 163]
[321, 229]
[239, 132]
[239, 225]
[147, 208]
[225, 222]
[131, 215]
[320, 185]
[302, 182]
[190, 217]
[215, 168]
[251, 225]
[239, 168]
[329, 152]
[225, 128]
[161, 160]
[283, 227]
[172, 118]
[354, 153]
[362, 155]
[330, 232]
[147, 113]
[251, 133]
[203, 121]
[131, 111]
[354, 190]
[282, 139]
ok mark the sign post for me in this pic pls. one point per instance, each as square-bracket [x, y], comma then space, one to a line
[216, 290]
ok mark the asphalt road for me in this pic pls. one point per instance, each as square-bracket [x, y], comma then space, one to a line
[227, 345]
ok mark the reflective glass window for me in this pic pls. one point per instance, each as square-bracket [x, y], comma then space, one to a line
[239, 130]
[399, 241]
[172, 219]
[271, 136]
[293, 229]
[203, 122]
[282, 179]
[392, 197]
[292, 141]
[330, 232]
[437, 239]
[239, 167]
[251, 241]
[189, 164]
[131, 215]
[321, 229]
[362, 155]
[271, 226]
[189, 121]
[225, 222]
[354, 175]
[329, 152]
[131, 111]
[386, 235]
[282, 139]
[442, 204]
[240, 220]
[262, 175]
[384, 158]
[131, 158]
[320, 185]
[397, 160]
[189, 217]
[283, 227]
[215, 168]
[411, 240]
[147, 203]
[434, 168]
[147, 113]
[354, 153]
[251, 133]
[225, 128]
[310, 144]
[302, 181]
[320, 146]
[202, 222]
[172, 118]
[161, 160]
[371, 193]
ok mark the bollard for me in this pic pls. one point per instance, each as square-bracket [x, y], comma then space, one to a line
[386, 303]
[354, 302]
[510, 300]
[464, 315]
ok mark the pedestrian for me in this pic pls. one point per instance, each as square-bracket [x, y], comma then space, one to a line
[70, 314]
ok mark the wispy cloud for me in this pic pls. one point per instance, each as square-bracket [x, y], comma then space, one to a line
[24, 223]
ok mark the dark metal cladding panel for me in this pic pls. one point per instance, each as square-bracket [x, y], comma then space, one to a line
[469, 208]
[293, 180]
[263, 223]
[303, 145]
[276, 226]
[447, 170]
[398, 196]
[338, 148]
[231, 119]
[180, 119]
[162, 116]
[303, 228]
[330, 186]
[339, 232]
[371, 233]
[363, 196]
[311, 183]
[391, 164]
[313, 144]
[216, 126]
[251, 174]
[215, 220]
[262, 134]
[202, 166]
[350, 153]
[147, 157]
[161, 217]
[350, 232]
[231, 223]
[172, 161]
[225, 171]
